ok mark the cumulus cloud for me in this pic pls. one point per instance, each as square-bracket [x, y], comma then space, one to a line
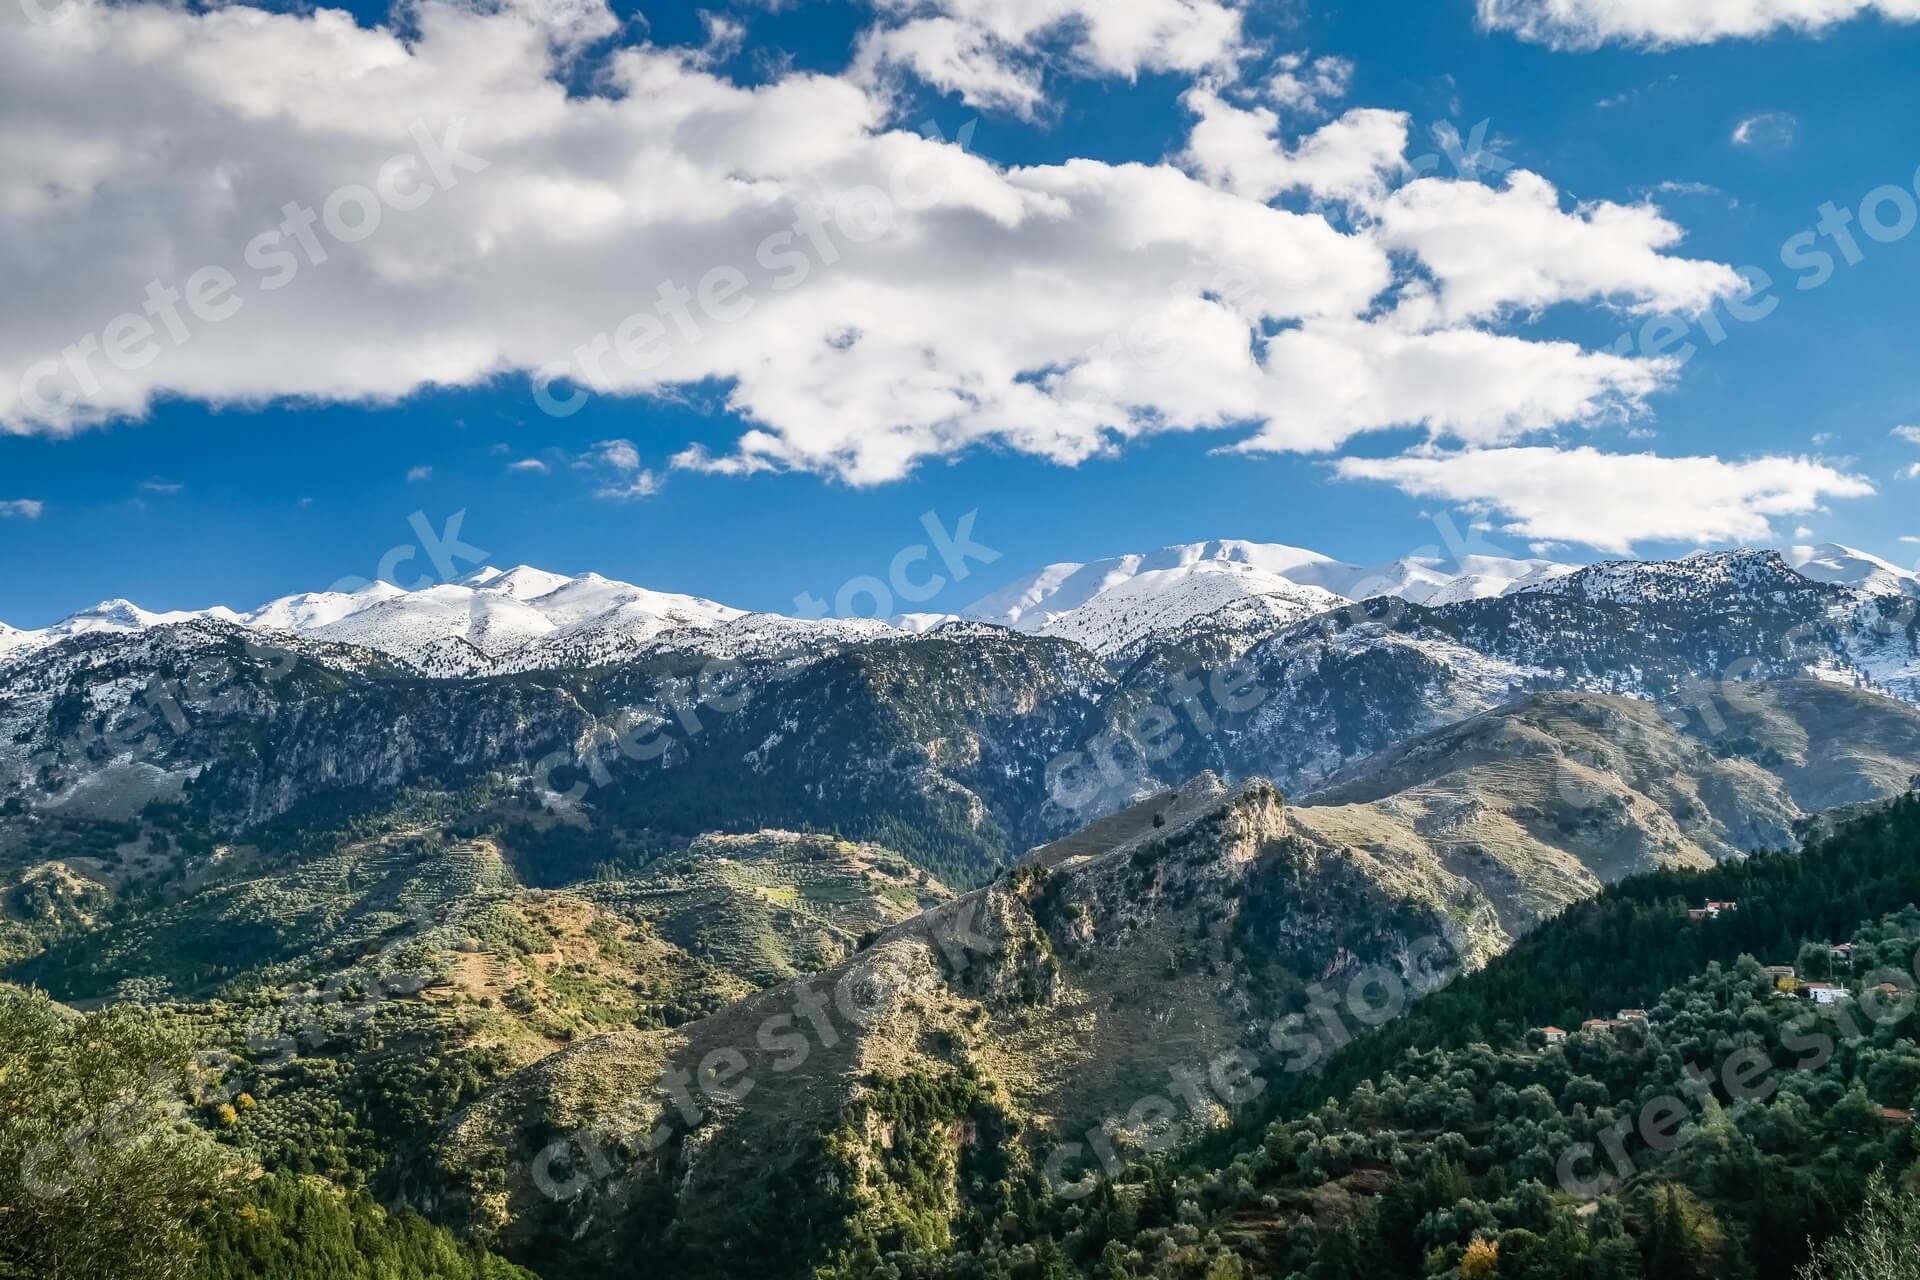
[21, 508]
[1585, 24]
[1238, 149]
[1909, 434]
[1614, 501]
[530, 466]
[991, 52]
[1490, 249]
[1348, 377]
[621, 455]
[867, 297]
[1304, 85]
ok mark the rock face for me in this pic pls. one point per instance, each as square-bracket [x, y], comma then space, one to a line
[1181, 929]
[1543, 801]
[1328, 692]
[1161, 945]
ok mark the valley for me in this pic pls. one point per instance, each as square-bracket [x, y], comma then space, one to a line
[664, 953]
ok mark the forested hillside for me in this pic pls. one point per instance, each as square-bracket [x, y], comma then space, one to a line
[104, 1171]
[1716, 1130]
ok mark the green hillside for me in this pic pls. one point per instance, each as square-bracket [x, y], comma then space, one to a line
[1715, 1136]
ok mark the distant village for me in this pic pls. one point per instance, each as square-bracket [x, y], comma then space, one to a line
[1786, 983]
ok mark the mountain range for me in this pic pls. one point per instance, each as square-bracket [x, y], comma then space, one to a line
[492, 621]
[1168, 794]
[961, 745]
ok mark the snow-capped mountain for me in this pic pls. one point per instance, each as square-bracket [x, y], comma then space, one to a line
[12, 638]
[840, 702]
[124, 615]
[1830, 562]
[516, 619]
[489, 620]
[523, 583]
[494, 621]
[1154, 602]
[1110, 605]
[312, 610]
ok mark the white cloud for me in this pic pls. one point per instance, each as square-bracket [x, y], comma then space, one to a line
[1491, 249]
[1674, 188]
[1909, 434]
[21, 509]
[1912, 472]
[724, 36]
[630, 482]
[1344, 378]
[1614, 501]
[1238, 149]
[1627, 97]
[1298, 84]
[532, 466]
[162, 486]
[644, 484]
[416, 474]
[1821, 439]
[1910, 538]
[1768, 129]
[621, 455]
[1057, 310]
[1803, 533]
[991, 52]
[1583, 24]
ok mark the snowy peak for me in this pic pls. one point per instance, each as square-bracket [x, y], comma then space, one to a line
[13, 639]
[1691, 578]
[1430, 580]
[590, 599]
[1848, 567]
[491, 619]
[1112, 605]
[1156, 601]
[522, 583]
[524, 618]
[517, 619]
[125, 615]
[314, 609]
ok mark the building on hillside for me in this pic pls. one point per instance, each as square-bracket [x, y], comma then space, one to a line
[1843, 954]
[1782, 976]
[1554, 1035]
[1712, 910]
[1826, 992]
[1632, 1015]
[1892, 1000]
[1894, 1115]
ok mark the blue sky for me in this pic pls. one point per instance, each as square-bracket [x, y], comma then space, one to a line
[196, 499]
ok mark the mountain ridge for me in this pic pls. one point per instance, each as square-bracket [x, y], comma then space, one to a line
[530, 619]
